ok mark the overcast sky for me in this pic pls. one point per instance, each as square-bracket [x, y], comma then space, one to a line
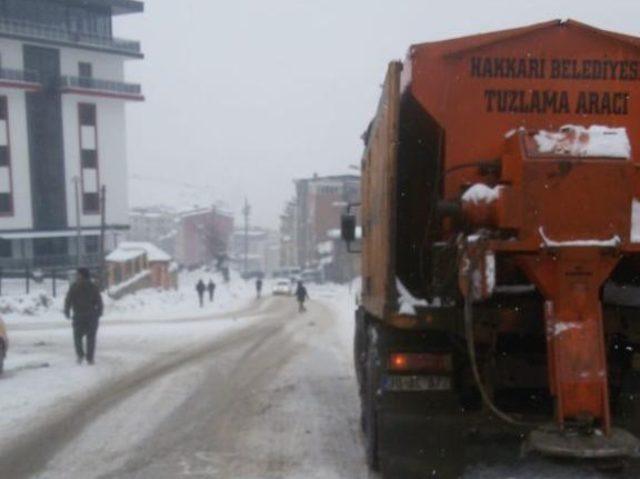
[243, 96]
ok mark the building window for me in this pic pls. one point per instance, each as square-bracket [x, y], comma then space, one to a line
[89, 168]
[6, 183]
[6, 250]
[85, 70]
[91, 203]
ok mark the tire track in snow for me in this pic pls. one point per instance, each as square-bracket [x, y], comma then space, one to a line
[31, 451]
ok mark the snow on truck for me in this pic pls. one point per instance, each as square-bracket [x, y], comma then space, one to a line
[501, 248]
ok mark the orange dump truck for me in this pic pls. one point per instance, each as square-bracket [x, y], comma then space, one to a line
[501, 246]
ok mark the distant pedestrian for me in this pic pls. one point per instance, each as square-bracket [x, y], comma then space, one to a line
[200, 287]
[301, 296]
[211, 287]
[84, 304]
[259, 287]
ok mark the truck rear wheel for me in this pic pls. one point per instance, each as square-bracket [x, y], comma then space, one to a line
[409, 434]
[359, 359]
[370, 410]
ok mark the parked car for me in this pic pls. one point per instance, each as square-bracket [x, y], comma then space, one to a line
[4, 344]
[282, 288]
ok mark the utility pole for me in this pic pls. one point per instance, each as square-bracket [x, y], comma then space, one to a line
[103, 230]
[246, 211]
[76, 185]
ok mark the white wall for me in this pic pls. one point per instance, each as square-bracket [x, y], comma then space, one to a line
[105, 66]
[11, 54]
[112, 156]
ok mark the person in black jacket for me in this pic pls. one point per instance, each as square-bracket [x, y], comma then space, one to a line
[258, 287]
[85, 303]
[211, 287]
[301, 295]
[200, 288]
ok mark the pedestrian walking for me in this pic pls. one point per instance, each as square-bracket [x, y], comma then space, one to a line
[211, 287]
[259, 287]
[200, 287]
[301, 296]
[83, 305]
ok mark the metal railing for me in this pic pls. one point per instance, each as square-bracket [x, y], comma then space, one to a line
[24, 76]
[48, 262]
[45, 32]
[100, 85]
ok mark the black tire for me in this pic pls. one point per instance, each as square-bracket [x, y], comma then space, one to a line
[359, 360]
[3, 352]
[628, 403]
[370, 402]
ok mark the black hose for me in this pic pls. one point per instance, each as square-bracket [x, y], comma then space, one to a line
[471, 351]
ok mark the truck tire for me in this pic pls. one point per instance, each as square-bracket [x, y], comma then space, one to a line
[370, 402]
[359, 359]
[629, 403]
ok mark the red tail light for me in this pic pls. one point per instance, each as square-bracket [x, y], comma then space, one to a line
[420, 362]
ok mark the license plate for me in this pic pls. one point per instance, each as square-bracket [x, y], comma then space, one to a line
[418, 383]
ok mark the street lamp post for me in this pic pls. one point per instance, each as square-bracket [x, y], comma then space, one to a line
[76, 185]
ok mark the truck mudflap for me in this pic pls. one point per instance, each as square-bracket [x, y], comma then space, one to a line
[572, 444]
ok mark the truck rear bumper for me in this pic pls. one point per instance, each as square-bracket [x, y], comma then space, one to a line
[550, 441]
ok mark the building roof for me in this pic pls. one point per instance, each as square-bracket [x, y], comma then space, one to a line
[122, 255]
[347, 177]
[118, 7]
[153, 252]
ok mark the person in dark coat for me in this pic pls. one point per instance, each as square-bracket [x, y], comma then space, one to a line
[301, 296]
[200, 287]
[211, 287]
[84, 304]
[259, 287]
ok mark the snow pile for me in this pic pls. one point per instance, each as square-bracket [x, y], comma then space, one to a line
[146, 304]
[481, 193]
[608, 243]
[26, 305]
[560, 328]
[120, 287]
[407, 301]
[595, 141]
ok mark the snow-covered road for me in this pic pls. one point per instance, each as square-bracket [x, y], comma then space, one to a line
[268, 395]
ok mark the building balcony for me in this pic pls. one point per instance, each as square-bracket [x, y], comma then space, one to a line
[104, 88]
[25, 30]
[23, 79]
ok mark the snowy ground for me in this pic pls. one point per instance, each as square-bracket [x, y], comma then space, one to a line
[41, 376]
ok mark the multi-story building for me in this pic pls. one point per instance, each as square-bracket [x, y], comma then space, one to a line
[320, 202]
[256, 250]
[203, 235]
[288, 244]
[157, 225]
[62, 128]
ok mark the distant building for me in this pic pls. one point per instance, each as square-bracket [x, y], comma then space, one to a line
[202, 236]
[319, 204]
[288, 243]
[62, 127]
[155, 224]
[263, 250]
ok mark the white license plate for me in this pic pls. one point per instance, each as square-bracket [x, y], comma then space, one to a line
[418, 383]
